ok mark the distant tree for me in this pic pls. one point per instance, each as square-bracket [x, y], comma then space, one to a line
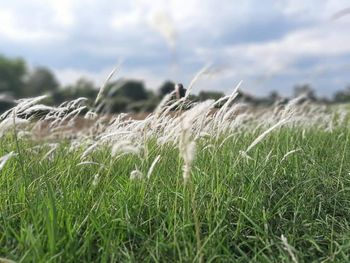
[40, 81]
[82, 88]
[117, 104]
[273, 96]
[245, 97]
[12, 72]
[166, 88]
[207, 95]
[304, 90]
[342, 96]
[134, 90]
[151, 95]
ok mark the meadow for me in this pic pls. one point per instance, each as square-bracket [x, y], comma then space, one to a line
[230, 185]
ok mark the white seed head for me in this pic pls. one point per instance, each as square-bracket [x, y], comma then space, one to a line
[136, 175]
[5, 158]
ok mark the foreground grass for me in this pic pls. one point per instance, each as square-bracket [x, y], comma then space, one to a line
[52, 210]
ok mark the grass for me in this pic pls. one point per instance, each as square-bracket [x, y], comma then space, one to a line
[54, 210]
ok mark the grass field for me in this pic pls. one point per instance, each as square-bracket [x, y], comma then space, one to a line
[288, 201]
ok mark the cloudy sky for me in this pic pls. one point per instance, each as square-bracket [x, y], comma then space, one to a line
[270, 45]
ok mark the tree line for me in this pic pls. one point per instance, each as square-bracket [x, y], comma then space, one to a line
[18, 81]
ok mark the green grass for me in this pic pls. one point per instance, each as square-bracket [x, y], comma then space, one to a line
[233, 210]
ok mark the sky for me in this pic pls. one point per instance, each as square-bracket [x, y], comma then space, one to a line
[270, 44]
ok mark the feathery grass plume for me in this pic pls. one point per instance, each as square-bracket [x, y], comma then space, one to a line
[167, 137]
[202, 121]
[201, 72]
[125, 147]
[6, 114]
[222, 99]
[289, 249]
[5, 158]
[50, 154]
[291, 107]
[265, 134]
[216, 103]
[187, 146]
[209, 146]
[105, 137]
[23, 104]
[236, 110]
[219, 121]
[193, 114]
[38, 108]
[9, 123]
[96, 180]
[268, 156]
[289, 153]
[136, 175]
[226, 139]
[72, 115]
[204, 134]
[89, 150]
[104, 85]
[151, 168]
[245, 155]
[90, 115]
[77, 102]
[88, 163]
[188, 152]
[172, 106]
[233, 95]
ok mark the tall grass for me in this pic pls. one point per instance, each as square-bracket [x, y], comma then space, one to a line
[62, 211]
[175, 187]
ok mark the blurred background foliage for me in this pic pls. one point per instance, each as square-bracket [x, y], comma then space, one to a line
[17, 80]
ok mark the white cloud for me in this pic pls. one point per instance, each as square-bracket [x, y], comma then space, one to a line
[13, 30]
[278, 55]
[34, 21]
[121, 21]
[197, 31]
[64, 13]
[312, 9]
